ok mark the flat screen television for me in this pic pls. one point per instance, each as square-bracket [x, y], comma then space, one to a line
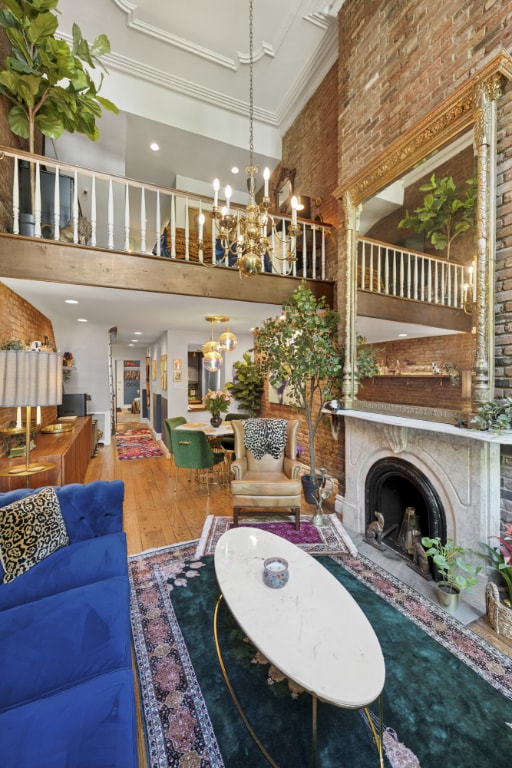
[73, 405]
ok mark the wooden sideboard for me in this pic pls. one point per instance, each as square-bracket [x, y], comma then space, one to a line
[69, 451]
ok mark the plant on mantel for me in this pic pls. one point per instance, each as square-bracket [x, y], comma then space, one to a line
[494, 415]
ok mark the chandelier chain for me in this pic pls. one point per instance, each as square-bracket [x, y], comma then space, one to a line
[251, 87]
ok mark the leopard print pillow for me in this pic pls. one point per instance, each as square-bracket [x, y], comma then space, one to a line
[30, 530]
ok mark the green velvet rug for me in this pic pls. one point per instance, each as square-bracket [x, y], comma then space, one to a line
[447, 697]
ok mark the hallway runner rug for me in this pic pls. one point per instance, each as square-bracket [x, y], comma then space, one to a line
[447, 696]
[331, 540]
[137, 443]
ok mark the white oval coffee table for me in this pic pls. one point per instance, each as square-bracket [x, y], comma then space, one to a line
[311, 629]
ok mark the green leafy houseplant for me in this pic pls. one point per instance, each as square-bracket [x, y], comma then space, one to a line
[446, 213]
[301, 347]
[47, 82]
[494, 415]
[450, 559]
[247, 384]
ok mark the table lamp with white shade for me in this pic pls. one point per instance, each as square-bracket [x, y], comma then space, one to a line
[29, 378]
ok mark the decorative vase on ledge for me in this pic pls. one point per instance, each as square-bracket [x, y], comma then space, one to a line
[216, 420]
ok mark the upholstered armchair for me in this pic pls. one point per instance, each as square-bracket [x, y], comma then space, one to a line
[266, 483]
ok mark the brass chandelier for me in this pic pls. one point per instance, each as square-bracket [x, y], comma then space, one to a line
[212, 350]
[251, 235]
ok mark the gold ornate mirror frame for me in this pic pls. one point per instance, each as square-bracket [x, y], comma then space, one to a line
[473, 106]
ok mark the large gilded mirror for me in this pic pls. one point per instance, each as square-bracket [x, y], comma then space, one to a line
[430, 299]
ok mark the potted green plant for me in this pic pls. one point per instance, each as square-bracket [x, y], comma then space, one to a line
[247, 384]
[494, 415]
[301, 348]
[454, 571]
[445, 214]
[48, 83]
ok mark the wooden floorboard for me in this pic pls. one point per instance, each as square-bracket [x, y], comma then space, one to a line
[155, 515]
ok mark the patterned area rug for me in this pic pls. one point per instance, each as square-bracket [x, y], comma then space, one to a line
[137, 443]
[447, 697]
[331, 540]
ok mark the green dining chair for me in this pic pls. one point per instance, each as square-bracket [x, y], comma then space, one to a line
[169, 425]
[192, 451]
[228, 442]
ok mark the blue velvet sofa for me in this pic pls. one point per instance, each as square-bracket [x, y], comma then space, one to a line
[66, 681]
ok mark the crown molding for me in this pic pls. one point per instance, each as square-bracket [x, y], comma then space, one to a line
[265, 49]
[139, 71]
[310, 77]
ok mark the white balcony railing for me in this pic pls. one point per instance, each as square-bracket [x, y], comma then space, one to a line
[102, 210]
[392, 271]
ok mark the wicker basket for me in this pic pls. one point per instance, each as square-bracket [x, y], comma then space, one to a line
[499, 614]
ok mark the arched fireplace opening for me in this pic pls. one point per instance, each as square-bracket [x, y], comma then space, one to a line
[401, 506]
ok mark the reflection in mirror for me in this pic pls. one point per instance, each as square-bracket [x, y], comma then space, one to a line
[283, 191]
[416, 288]
[410, 280]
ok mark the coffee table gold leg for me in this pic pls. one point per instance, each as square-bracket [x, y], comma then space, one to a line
[314, 729]
[232, 692]
[377, 734]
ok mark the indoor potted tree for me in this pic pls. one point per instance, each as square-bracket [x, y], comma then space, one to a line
[48, 83]
[301, 348]
[454, 571]
[445, 214]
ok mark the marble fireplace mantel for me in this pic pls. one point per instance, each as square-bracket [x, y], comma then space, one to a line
[463, 465]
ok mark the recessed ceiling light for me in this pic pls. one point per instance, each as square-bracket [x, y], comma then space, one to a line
[154, 146]
[402, 335]
[71, 301]
[81, 320]
[235, 169]
[135, 341]
[137, 333]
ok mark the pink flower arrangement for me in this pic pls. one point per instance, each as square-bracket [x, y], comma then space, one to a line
[217, 401]
[500, 559]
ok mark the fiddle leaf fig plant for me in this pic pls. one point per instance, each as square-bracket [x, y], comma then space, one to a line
[47, 82]
[446, 213]
[247, 384]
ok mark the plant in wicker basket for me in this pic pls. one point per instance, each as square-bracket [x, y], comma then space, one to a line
[499, 602]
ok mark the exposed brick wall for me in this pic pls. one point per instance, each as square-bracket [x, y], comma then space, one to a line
[503, 304]
[397, 62]
[326, 446]
[20, 320]
[311, 147]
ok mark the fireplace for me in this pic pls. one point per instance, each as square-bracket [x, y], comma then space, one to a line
[451, 475]
[410, 508]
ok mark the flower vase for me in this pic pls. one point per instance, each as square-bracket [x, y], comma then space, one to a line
[216, 420]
